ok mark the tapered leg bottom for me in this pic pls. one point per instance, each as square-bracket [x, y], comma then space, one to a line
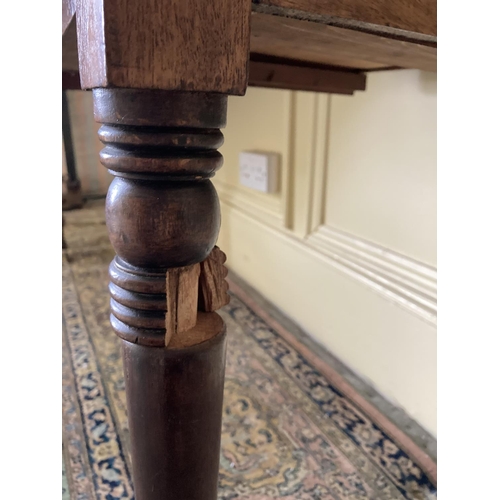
[174, 398]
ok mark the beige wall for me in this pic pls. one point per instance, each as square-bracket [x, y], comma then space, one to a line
[382, 163]
[94, 178]
[347, 248]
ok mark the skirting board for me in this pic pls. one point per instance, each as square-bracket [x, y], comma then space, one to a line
[282, 323]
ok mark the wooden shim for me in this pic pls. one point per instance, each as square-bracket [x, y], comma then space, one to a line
[182, 300]
[213, 287]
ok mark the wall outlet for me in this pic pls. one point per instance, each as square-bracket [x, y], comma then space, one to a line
[259, 171]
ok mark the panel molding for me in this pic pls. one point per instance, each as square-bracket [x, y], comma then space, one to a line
[289, 123]
[268, 211]
[299, 215]
[274, 211]
[405, 282]
[402, 280]
[317, 189]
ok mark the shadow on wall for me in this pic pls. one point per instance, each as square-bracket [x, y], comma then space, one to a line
[427, 82]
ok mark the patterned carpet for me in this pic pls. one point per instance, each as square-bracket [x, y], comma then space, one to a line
[292, 428]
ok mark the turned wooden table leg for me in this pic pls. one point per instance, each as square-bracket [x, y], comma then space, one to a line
[160, 73]
[163, 218]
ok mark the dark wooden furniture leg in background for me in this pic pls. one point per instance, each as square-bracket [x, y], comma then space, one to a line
[160, 74]
[74, 197]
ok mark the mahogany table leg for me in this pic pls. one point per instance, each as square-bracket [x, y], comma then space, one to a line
[175, 410]
[162, 213]
[160, 74]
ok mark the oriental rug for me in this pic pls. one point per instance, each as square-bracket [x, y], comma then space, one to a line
[293, 429]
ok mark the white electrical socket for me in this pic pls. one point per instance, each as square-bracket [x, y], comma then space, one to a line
[259, 171]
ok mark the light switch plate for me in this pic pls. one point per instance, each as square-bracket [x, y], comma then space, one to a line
[259, 171]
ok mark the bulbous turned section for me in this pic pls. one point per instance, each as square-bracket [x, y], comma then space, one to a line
[161, 210]
[162, 224]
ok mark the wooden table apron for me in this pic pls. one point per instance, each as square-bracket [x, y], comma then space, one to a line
[160, 73]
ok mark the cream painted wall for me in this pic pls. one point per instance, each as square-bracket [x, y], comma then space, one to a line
[382, 176]
[94, 178]
[347, 247]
